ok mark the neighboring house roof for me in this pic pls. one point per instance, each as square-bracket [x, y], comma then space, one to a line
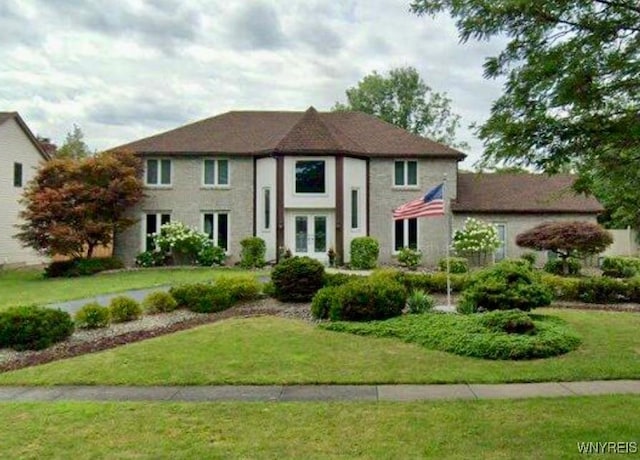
[5, 116]
[521, 193]
[261, 133]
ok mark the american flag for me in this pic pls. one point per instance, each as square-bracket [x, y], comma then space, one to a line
[431, 204]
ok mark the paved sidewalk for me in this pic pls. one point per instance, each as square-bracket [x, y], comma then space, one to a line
[319, 392]
[72, 306]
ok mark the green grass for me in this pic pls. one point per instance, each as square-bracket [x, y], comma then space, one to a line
[538, 428]
[467, 335]
[25, 287]
[270, 350]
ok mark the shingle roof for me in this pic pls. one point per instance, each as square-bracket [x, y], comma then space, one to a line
[521, 193]
[4, 116]
[255, 133]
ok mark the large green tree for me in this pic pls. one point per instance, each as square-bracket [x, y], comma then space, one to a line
[571, 93]
[572, 71]
[74, 146]
[402, 98]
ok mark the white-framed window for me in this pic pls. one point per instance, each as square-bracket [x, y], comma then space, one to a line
[158, 172]
[405, 173]
[405, 234]
[501, 252]
[310, 176]
[215, 172]
[216, 225]
[152, 223]
[355, 210]
[266, 203]
[17, 175]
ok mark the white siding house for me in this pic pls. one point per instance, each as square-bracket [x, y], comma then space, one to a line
[20, 156]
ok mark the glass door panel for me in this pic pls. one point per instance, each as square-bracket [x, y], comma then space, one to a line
[302, 234]
[320, 234]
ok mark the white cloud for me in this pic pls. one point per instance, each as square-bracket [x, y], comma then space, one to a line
[138, 67]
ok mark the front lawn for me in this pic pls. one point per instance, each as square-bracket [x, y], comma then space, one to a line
[537, 428]
[25, 287]
[272, 350]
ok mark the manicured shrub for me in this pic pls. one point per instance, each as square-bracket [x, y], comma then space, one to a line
[321, 302]
[33, 328]
[297, 279]
[210, 256]
[366, 300]
[123, 309]
[92, 316]
[159, 302]
[388, 274]
[530, 257]
[338, 279]
[364, 253]
[558, 267]
[148, 259]
[621, 267]
[252, 254]
[420, 302]
[82, 267]
[507, 285]
[457, 265]
[409, 258]
[603, 290]
[509, 321]
[202, 298]
[240, 287]
[562, 287]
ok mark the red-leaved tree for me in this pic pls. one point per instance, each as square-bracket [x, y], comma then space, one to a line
[74, 205]
[566, 239]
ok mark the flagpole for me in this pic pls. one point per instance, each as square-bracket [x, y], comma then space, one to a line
[448, 217]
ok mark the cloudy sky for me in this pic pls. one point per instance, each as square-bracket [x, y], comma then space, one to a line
[138, 67]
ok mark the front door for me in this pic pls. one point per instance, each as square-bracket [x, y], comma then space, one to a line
[311, 235]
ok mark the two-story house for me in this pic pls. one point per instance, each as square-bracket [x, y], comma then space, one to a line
[20, 156]
[305, 181]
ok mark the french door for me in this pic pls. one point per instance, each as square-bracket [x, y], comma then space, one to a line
[311, 235]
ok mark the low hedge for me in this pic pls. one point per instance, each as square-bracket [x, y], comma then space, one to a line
[557, 267]
[159, 302]
[367, 299]
[621, 267]
[457, 265]
[202, 298]
[33, 328]
[470, 335]
[240, 287]
[81, 267]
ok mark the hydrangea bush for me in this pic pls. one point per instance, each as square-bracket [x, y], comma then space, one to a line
[476, 240]
[184, 244]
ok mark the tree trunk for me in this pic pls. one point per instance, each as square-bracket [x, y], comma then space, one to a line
[90, 249]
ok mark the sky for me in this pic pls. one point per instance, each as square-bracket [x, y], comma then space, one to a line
[139, 67]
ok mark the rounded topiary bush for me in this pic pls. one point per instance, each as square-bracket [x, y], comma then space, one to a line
[509, 321]
[297, 279]
[321, 303]
[366, 300]
[202, 298]
[92, 316]
[364, 253]
[507, 285]
[240, 287]
[33, 328]
[124, 309]
[252, 254]
[159, 302]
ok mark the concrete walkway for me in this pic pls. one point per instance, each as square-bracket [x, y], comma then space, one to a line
[72, 306]
[319, 392]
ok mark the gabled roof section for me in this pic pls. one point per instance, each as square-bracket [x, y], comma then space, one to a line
[6, 116]
[260, 133]
[311, 134]
[521, 193]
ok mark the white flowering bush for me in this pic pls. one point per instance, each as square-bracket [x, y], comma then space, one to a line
[183, 243]
[477, 239]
